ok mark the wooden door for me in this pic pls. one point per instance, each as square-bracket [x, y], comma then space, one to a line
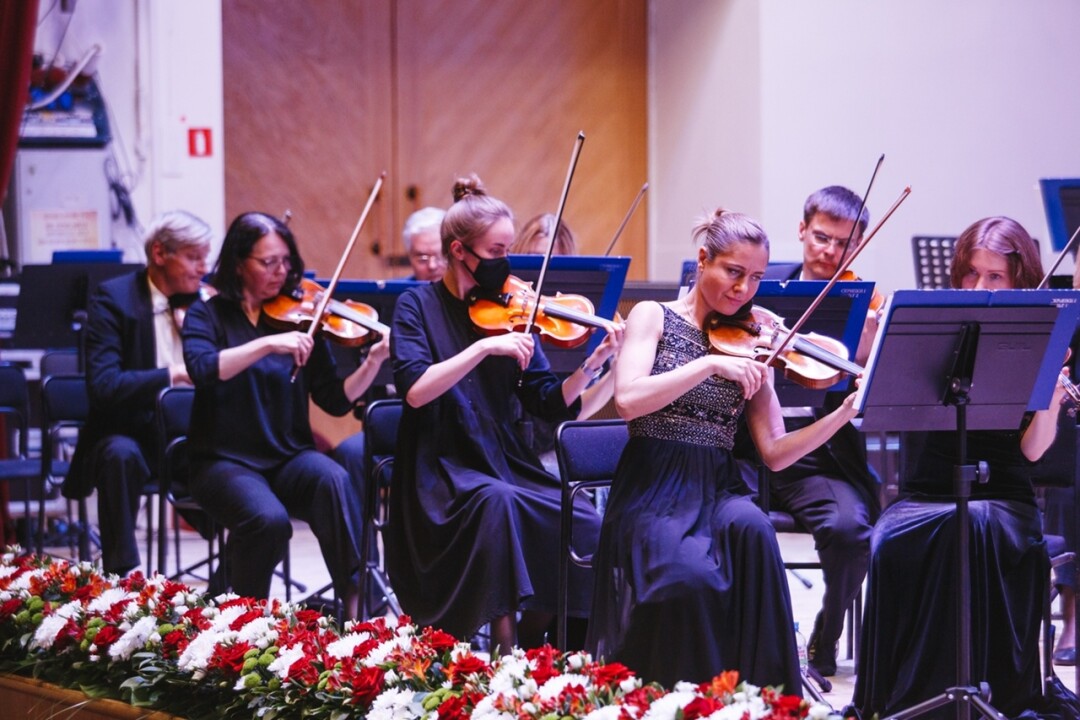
[321, 97]
[502, 89]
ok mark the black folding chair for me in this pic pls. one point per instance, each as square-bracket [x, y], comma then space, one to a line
[16, 463]
[381, 420]
[588, 452]
[65, 405]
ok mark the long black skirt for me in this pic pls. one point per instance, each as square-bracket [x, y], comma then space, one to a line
[689, 578]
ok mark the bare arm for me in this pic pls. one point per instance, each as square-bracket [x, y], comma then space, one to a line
[359, 380]
[1040, 433]
[779, 448]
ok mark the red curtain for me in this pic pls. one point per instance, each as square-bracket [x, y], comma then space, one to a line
[18, 18]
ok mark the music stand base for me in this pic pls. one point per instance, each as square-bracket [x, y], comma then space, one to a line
[975, 696]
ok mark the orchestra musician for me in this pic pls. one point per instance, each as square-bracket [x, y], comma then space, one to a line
[689, 578]
[474, 517]
[423, 244]
[909, 643]
[133, 352]
[254, 460]
[832, 491]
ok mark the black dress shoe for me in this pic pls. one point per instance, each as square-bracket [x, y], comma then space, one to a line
[1065, 656]
[821, 655]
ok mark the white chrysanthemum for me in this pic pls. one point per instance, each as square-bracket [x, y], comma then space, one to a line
[395, 704]
[509, 674]
[684, 687]
[134, 639]
[459, 651]
[47, 631]
[199, 651]
[285, 659]
[344, 646]
[551, 689]
[378, 656]
[630, 684]
[819, 711]
[259, 633]
[665, 708]
[485, 710]
[527, 689]
[391, 678]
[608, 712]
[7, 570]
[752, 708]
[107, 599]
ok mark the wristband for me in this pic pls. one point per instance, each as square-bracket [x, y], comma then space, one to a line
[592, 373]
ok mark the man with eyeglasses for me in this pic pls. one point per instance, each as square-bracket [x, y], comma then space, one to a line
[832, 491]
[423, 243]
[133, 351]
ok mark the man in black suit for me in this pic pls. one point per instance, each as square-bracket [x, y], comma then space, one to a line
[832, 491]
[133, 351]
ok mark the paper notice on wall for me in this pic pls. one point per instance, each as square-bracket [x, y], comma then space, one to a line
[63, 230]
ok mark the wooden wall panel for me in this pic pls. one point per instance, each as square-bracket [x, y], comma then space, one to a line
[307, 127]
[502, 89]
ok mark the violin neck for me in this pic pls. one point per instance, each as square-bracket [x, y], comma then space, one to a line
[344, 311]
[561, 312]
[820, 354]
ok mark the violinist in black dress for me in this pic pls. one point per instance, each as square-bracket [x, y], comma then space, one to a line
[474, 517]
[254, 459]
[908, 652]
[689, 578]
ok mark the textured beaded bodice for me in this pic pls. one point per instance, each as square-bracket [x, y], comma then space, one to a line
[708, 413]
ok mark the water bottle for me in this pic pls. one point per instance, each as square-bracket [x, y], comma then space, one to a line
[800, 642]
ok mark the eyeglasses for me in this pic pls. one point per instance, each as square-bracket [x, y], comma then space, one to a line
[271, 264]
[425, 259]
[822, 240]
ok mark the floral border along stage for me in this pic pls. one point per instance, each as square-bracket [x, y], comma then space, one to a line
[159, 644]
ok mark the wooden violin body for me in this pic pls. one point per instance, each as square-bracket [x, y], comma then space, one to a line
[562, 320]
[347, 322]
[811, 360]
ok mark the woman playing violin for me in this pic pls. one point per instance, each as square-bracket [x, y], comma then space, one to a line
[254, 459]
[686, 559]
[474, 517]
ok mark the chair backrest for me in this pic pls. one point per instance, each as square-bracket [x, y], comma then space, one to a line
[174, 413]
[15, 405]
[589, 450]
[381, 420]
[173, 419]
[65, 404]
[64, 361]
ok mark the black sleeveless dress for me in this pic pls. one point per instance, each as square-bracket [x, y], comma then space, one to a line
[689, 579]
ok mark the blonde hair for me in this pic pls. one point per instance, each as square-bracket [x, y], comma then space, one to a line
[472, 214]
[540, 227]
[717, 233]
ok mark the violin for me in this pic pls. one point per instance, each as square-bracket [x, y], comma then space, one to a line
[348, 323]
[562, 320]
[811, 360]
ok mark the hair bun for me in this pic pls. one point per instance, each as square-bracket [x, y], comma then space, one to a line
[471, 185]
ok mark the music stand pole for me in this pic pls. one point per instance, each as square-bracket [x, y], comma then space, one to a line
[956, 394]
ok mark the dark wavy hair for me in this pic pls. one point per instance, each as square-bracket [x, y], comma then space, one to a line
[244, 232]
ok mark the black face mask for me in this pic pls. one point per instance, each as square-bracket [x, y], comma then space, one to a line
[490, 273]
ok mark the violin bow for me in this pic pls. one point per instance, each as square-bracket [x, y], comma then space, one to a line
[862, 204]
[324, 302]
[555, 229]
[626, 219]
[835, 278]
[1060, 257]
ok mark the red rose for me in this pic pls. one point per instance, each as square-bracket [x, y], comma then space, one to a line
[366, 683]
[106, 636]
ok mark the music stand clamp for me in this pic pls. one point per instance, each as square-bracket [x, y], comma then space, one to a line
[922, 332]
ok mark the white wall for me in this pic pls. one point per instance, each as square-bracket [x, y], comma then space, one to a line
[971, 102]
[160, 73]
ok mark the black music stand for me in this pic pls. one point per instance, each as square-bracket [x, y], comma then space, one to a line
[959, 360]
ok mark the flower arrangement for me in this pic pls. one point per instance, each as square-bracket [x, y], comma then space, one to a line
[159, 644]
